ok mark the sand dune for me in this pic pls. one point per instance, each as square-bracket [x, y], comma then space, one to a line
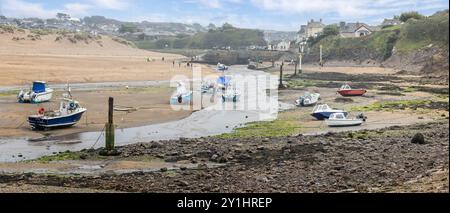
[24, 59]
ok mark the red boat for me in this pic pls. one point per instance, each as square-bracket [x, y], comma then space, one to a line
[346, 91]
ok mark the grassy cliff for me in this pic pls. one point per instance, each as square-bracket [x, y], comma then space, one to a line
[222, 37]
[428, 36]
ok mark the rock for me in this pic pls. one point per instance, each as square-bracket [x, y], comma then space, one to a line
[156, 144]
[175, 153]
[214, 157]
[202, 166]
[183, 183]
[260, 148]
[265, 140]
[222, 159]
[83, 156]
[418, 139]
[164, 169]
[183, 168]
[19, 155]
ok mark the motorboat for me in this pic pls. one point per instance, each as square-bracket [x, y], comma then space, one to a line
[341, 120]
[231, 95]
[347, 91]
[308, 99]
[39, 93]
[182, 95]
[323, 111]
[69, 113]
[221, 67]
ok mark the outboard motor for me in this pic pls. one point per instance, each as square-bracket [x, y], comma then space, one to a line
[361, 116]
[180, 99]
[20, 96]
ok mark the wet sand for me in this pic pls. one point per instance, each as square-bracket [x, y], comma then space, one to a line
[151, 104]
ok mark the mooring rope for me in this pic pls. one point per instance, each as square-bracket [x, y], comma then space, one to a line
[98, 139]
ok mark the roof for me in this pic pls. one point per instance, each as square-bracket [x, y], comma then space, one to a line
[316, 24]
[353, 27]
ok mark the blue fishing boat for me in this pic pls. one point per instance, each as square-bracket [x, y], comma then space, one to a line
[69, 113]
[39, 93]
[223, 82]
[322, 112]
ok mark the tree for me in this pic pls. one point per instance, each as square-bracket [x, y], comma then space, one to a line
[212, 26]
[331, 30]
[128, 28]
[227, 26]
[409, 15]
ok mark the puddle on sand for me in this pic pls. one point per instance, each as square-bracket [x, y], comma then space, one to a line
[207, 122]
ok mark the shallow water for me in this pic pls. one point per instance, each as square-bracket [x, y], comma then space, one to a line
[257, 104]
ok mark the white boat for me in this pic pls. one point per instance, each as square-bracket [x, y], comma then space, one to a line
[231, 95]
[39, 93]
[181, 96]
[308, 99]
[221, 67]
[341, 120]
[208, 87]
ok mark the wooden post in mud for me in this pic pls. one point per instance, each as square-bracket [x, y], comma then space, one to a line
[296, 66]
[109, 128]
[280, 86]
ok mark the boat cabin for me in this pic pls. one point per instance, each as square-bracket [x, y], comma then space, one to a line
[346, 87]
[38, 86]
[322, 108]
[338, 116]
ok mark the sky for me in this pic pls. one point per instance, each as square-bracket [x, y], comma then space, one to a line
[282, 15]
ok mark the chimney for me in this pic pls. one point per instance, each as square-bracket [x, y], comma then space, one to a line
[312, 20]
[342, 24]
[320, 20]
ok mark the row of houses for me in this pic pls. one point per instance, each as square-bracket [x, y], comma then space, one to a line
[314, 28]
[358, 29]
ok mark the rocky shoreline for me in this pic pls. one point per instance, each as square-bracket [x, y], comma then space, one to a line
[363, 161]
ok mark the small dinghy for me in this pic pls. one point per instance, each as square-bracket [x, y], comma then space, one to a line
[308, 99]
[231, 95]
[208, 87]
[221, 67]
[341, 120]
[39, 93]
[181, 96]
[347, 91]
[69, 113]
[322, 112]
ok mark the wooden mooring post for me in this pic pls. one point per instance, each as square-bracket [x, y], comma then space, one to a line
[280, 85]
[109, 128]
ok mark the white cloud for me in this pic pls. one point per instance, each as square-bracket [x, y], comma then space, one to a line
[110, 4]
[344, 8]
[19, 8]
[77, 9]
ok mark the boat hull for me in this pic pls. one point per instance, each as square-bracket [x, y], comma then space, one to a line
[43, 122]
[344, 123]
[185, 99]
[235, 98]
[324, 115]
[36, 97]
[355, 92]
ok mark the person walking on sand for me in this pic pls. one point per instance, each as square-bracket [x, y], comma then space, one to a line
[173, 63]
[162, 58]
